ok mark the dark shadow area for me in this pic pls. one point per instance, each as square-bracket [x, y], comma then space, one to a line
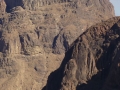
[8, 9]
[55, 78]
[54, 41]
[2, 42]
[10, 4]
[1, 22]
[96, 83]
[103, 64]
[65, 44]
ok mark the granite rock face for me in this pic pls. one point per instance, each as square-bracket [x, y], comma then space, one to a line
[35, 34]
[92, 62]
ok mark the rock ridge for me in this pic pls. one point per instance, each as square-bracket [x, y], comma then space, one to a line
[34, 38]
[91, 61]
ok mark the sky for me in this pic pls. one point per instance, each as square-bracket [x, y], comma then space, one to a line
[116, 4]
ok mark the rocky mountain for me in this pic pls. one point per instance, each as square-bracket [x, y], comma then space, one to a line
[35, 34]
[92, 62]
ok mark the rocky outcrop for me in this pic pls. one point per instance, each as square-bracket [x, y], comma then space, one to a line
[34, 34]
[92, 62]
[81, 13]
[2, 6]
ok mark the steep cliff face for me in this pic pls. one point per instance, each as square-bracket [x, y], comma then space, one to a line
[34, 34]
[92, 63]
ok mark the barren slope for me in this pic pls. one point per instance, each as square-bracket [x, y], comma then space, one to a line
[34, 35]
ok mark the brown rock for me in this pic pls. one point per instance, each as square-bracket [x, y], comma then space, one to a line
[35, 34]
[2, 6]
[92, 62]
